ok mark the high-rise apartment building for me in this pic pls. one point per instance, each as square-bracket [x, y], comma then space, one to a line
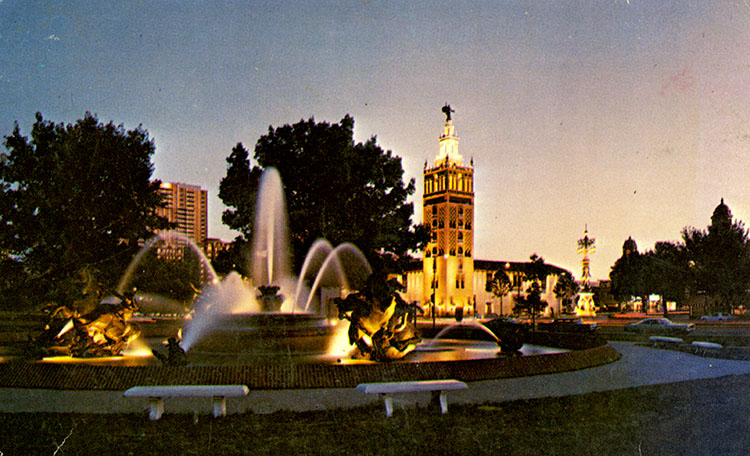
[186, 207]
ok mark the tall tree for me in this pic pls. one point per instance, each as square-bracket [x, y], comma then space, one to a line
[664, 272]
[499, 286]
[76, 196]
[627, 280]
[536, 272]
[335, 189]
[719, 258]
[565, 288]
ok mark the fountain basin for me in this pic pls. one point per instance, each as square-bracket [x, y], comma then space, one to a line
[78, 376]
[265, 335]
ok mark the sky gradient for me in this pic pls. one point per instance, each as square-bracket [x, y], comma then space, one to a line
[631, 117]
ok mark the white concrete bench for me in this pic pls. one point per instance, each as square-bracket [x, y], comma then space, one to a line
[705, 347]
[662, 340]
[388, 389]
[156, 395]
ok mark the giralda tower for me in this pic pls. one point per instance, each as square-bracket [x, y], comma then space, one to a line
[448, 265]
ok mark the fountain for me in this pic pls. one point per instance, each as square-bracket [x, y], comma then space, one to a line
[278, 320]
[270, 331]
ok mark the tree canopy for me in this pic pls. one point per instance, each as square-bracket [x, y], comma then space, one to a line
[714, 261]
[499, 285]
[566, 288]
[76, 196]
[536, 271]
[335, 189]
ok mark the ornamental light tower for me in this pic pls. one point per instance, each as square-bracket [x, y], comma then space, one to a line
[585, 306]
[448, 265]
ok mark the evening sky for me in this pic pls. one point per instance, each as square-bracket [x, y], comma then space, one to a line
[629, 116]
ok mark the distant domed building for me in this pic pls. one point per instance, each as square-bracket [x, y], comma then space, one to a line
[722, 215]
[629, 247]
[448, 274]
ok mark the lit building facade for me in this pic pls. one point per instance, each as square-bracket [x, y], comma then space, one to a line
[448, 205]
[186, 206]
[448, 278]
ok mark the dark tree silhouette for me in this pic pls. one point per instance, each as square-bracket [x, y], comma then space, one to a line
[335, 189]
[76, 196]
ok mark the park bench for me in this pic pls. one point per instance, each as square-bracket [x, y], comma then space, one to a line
[663, 340]
[156, 395]
[388, 389]
[705, 347]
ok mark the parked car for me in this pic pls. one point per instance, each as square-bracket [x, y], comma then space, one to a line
[659, 325]
[718, 317]
[569, 324]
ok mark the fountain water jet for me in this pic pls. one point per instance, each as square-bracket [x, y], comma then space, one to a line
[229, 317]
[270, 253]
[315, 257]
[334, 260]
[457, 325]
[170, 238]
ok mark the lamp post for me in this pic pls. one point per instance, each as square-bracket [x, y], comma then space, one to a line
[507, 269]
[434, 285]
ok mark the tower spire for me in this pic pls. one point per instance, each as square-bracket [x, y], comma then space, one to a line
[449, 141]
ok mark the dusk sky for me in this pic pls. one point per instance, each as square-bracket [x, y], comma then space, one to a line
[630, 116]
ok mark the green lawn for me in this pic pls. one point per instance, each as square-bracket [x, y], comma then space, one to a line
[698, 417]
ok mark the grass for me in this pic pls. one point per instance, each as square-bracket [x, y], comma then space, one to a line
[695, 417]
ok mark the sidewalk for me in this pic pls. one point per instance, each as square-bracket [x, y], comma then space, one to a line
[638, 366]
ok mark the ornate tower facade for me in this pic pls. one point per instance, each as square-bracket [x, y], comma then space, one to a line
[448, 205]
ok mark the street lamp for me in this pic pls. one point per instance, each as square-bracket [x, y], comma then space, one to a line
[507, 269]
[434, 286]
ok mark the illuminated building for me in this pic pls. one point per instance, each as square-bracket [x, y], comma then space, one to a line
[186, 206]
[448, 278]
[448, 267]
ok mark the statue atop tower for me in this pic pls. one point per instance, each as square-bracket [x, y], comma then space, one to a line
[447, 111]
[449, 142]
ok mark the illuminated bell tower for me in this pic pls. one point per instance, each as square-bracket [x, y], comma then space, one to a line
[448, 202]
